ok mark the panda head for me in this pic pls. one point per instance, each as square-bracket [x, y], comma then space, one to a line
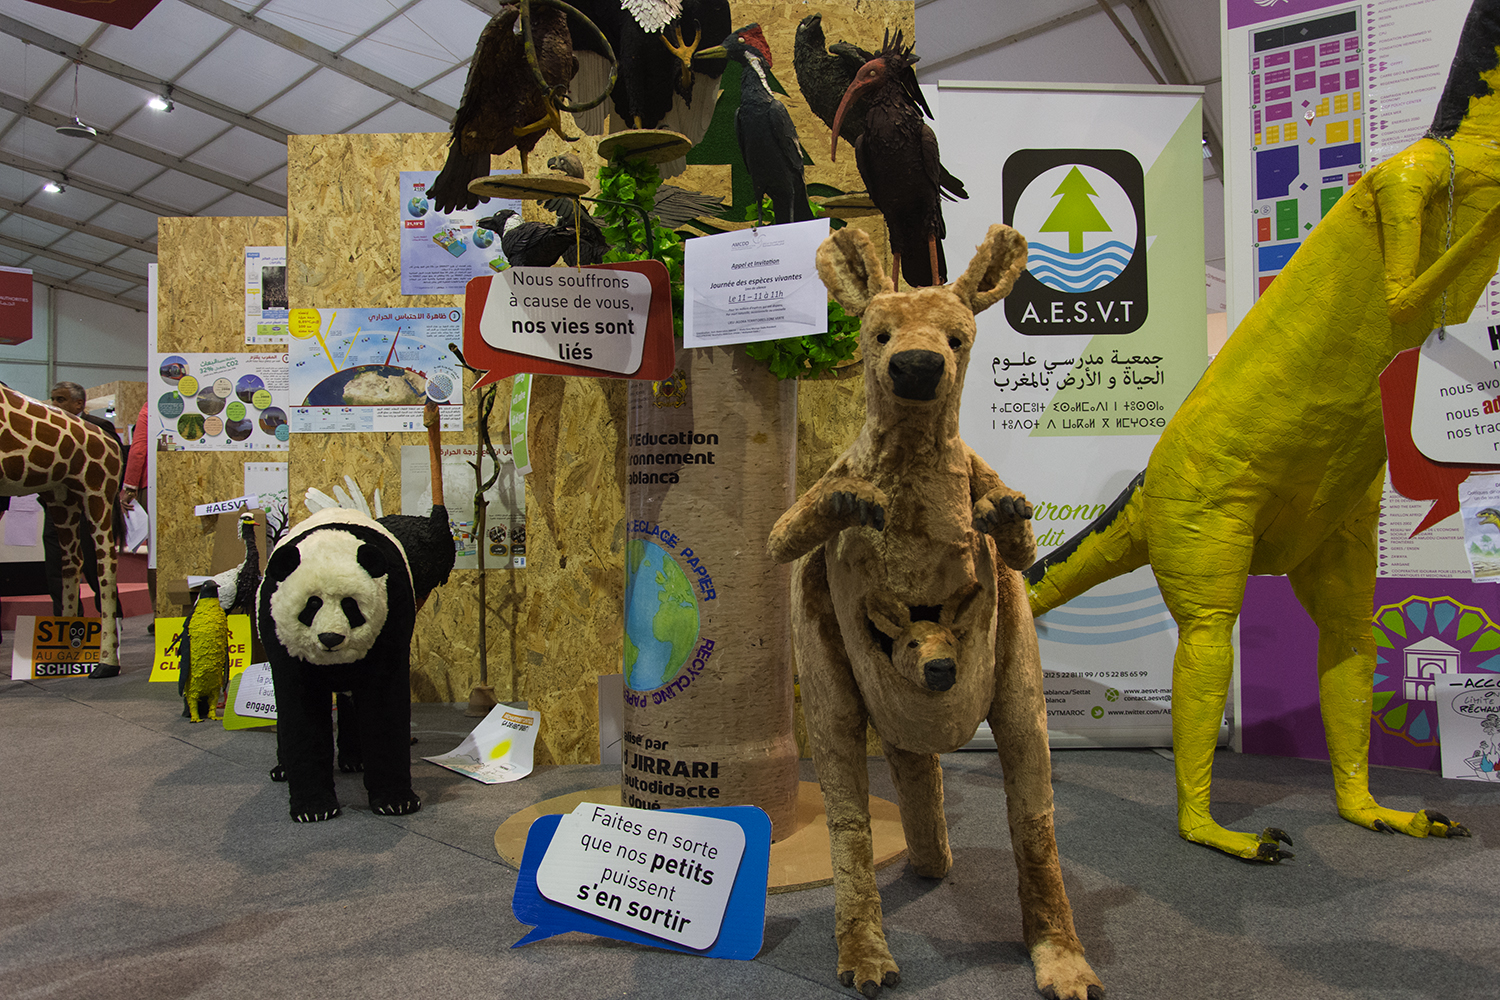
[330, 600]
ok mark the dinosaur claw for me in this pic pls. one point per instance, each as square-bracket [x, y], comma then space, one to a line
[1273, 834]
[1271, 854]
[1381, 826]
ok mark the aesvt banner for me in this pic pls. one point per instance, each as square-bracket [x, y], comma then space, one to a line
[1101, 339]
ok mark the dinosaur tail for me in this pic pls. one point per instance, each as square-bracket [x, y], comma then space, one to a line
[1111, 545]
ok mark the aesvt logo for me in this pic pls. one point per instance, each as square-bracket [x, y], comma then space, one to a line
[1083, 213]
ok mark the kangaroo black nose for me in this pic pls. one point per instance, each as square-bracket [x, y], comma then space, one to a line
[330, 639]
[916, 374]
[940, 674]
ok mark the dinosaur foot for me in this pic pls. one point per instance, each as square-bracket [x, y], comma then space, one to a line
[1062, 973]
[1425, 823]
[1264, 847]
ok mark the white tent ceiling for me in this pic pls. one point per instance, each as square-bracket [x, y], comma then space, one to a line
[243, 74]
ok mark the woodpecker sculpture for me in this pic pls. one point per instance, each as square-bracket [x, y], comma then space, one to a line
[768, 139]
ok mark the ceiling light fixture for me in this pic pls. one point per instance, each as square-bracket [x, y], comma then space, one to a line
[76, 128]
[52, 187]
[161, 102]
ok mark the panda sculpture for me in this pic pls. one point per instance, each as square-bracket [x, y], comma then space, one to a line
[336, 612]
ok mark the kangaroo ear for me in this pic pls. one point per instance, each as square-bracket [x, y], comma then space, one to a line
[850, 268]
[956, 605]
[886, 613]
[997, 263]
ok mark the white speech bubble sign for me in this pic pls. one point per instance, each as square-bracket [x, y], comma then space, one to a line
[666, 874]
[593, 317]
[1456, 413]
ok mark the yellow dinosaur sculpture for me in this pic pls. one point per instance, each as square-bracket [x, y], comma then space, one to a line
[1275, 462]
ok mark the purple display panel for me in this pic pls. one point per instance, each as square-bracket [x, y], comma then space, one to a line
[1243, 12]
[1422, 627]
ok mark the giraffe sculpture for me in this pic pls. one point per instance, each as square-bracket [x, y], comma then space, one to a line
[77, 469]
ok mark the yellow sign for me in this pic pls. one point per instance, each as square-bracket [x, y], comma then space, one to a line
[169, 644]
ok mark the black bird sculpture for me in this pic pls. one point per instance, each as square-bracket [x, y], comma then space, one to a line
[767, 137]
[503, 107]
[664, 80]
[590, 246]
[528, 244]
[897, 156]
[824, 73]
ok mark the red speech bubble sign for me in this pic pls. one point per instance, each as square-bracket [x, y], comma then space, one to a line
[658, 358]
[1413, 474]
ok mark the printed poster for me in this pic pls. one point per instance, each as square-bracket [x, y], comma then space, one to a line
[219, 402]
[373, 369]
[504, 531]
[1076, 372]
[440, 253]
[1469, 709]
[1355, 83]
[266, 301]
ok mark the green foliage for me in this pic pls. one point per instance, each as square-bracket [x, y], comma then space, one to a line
[813, 355]
[634, 184]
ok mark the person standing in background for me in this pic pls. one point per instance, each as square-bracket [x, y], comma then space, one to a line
[133, 486]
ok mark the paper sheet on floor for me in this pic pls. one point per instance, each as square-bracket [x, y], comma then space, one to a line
[498, 750]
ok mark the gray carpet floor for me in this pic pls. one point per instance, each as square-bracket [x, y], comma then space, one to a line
[146, 857]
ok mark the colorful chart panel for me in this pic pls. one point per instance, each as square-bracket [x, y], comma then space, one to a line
[1307, 114]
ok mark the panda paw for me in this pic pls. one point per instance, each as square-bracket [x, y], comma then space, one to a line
[399, 807]
[350, 765]
[315, 817]
[278, 773]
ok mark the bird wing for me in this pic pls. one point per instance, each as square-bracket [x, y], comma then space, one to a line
[675, 205]
[486, 67]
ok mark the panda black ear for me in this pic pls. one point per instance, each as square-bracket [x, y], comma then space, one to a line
[283, 562]
[372, 560]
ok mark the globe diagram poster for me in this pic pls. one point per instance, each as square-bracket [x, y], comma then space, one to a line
[440, 253]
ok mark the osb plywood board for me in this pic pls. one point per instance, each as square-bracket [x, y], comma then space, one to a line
[201, 307]
[556, 625]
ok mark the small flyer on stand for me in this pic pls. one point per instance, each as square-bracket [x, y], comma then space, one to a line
[504, 530]
[266, 301]
[440, 253]
[1479, 505]
[1468, 707]
[499, 749]
[754, 284]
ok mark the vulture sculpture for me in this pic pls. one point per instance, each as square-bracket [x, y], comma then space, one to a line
[504, 107]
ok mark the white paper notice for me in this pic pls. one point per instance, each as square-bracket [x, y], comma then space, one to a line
[1479, 507]
[661, 873]
[754, 284]
[1468, 708]
[1456, 414]
[500, 749]
[256, 696]
[584, 316]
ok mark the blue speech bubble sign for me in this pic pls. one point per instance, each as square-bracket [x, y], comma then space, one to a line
[741, 934]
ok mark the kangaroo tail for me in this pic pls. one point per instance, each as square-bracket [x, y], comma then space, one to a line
[1111, 545]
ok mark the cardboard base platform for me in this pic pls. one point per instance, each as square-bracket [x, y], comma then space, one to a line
[800, 861]
[528, 187]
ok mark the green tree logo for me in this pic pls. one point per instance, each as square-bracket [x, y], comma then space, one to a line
[1075, 213]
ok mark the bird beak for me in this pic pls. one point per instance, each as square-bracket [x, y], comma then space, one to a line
[717, 52]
